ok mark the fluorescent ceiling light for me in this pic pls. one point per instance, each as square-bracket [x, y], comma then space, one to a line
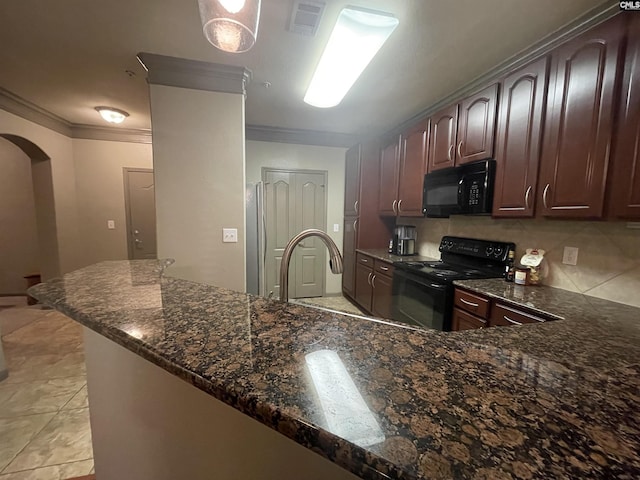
[356, 38]
[112, 115]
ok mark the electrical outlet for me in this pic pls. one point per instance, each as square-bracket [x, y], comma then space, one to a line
[570, 256]
[336, 227]
[230, 235]
[111, 224]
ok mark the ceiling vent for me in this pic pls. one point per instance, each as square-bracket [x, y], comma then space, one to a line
[306, 16]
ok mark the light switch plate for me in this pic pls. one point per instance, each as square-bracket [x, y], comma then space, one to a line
[111, 224]
[336, 227]
[570, 256]
[230, 235]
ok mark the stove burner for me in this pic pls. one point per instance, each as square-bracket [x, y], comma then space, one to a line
[446, 273]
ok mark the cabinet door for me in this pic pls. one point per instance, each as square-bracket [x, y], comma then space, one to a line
[363, 286]
[442, 138]
[389, 173]
[464, 321]
[382, 300]
[522, 103]
[477, 125]
[578, 132]
[412, 169]
[352, 181]
[625, 187]
[349, 255]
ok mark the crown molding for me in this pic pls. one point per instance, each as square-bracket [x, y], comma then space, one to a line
[12, 103]
[565, 33]
[194, 74]
[131, 135]
[261, 133]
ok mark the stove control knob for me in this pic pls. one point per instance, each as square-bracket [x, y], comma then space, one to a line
[497, 251]
[489, 250]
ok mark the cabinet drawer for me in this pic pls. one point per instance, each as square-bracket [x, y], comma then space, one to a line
[465, 321]
[471, 303]
[383, 268]
[503, 315]
[362, 259]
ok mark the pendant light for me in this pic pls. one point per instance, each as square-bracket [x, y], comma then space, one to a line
[230, 25]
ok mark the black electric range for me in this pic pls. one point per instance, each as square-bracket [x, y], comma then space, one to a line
[423, 291]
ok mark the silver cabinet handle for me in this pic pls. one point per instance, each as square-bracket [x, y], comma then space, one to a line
[373, 281]
[369, 278]
[355, 206]
[460, 149]
[526, 197]
[450, 153]
[399, 206]
[385, 269]
[355, 225]
[471, 304]
[393, 206]
[544, 195]
[511, 321]
[364, 260]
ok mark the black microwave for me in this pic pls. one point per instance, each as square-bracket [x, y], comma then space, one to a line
[463, 190]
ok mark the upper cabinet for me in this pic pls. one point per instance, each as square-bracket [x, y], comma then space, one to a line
[579, 122]
[442, 134]
[464, 132]
[413, 166]
[625, 194]
[519, 135]
[352, 181]
[476, 126]
[388, 181]
[402, 168]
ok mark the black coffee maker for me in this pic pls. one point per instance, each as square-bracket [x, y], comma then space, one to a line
[403, 241]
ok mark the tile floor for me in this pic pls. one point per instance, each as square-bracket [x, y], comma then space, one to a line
[335, 302]
[44, 415]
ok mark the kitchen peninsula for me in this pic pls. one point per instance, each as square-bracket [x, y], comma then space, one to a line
[380, 400]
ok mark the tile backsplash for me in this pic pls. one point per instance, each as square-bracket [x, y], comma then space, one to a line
[608, 259]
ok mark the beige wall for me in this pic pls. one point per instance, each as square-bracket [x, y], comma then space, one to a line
[309, 157]
[198, 156]
[61, 169]
[18, 232]
[100, 190]
[608, 259]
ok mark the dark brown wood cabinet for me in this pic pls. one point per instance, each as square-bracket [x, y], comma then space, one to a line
[382, 283]
[364, 287]
[473, 310]
[361, 209]
[625, 185]
[352, 181]
[518, 142]
[389, 176]
[442, 138]
[579, 122]
[464, 132]
[413, 166]
[476, 126]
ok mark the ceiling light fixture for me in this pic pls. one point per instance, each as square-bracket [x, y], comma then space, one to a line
[355, 39]
[112, 115]
[230, 25]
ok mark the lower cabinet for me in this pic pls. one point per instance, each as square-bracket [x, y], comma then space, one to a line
[472, 310]
[374, 286]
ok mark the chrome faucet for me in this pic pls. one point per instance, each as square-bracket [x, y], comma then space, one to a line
[335, 259]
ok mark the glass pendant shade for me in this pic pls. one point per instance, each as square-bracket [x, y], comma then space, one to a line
[112, 115]
[230, 25]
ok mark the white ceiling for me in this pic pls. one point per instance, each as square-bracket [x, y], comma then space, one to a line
[68, 56]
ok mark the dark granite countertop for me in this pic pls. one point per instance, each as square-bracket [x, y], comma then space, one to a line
[549, 401]
[384, 255]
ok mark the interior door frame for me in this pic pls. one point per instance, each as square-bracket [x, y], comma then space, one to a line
[127, 204]
[325, 173]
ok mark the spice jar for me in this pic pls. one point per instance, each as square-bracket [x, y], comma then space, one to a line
[521, 276]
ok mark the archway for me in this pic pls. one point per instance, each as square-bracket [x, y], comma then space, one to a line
[47, 263]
